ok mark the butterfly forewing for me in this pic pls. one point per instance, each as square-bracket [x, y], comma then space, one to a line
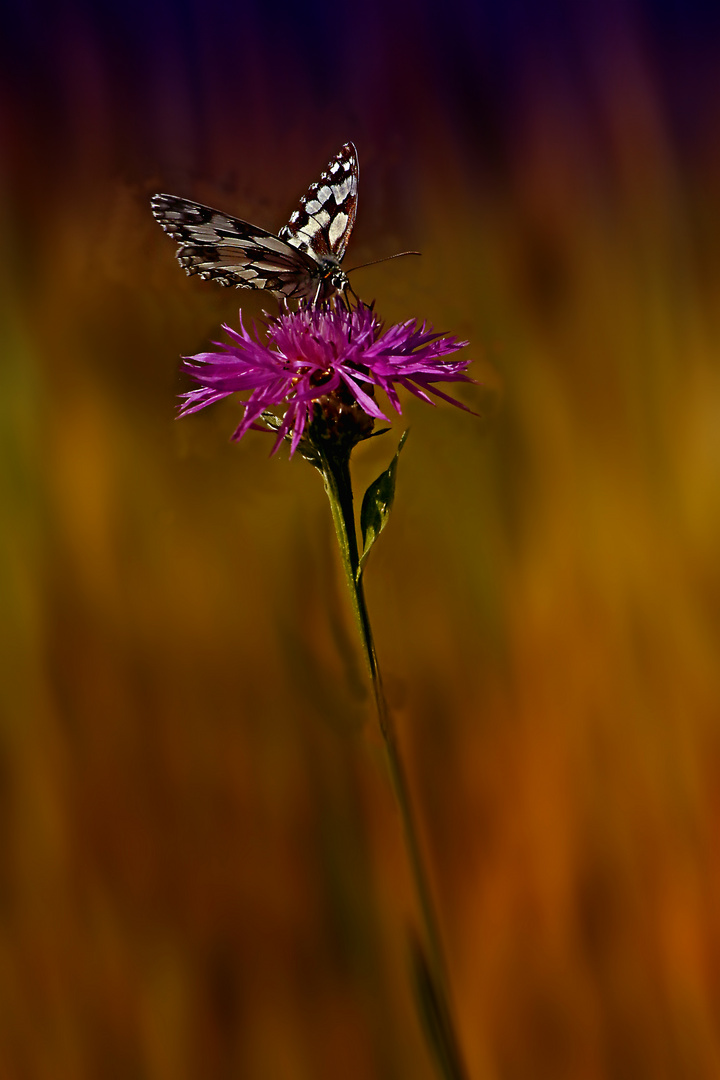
[230, 251]
[297, 263]
[323, 221]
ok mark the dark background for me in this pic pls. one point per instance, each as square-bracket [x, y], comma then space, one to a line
[201, 873]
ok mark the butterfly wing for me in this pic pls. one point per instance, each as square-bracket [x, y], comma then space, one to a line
[323, 221]
[234, 252]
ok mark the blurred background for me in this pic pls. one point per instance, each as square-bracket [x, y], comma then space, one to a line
[201, 867]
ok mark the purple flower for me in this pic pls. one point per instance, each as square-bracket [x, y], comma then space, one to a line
[323, 363]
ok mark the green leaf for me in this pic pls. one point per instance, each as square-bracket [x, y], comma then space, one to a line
[376, 506]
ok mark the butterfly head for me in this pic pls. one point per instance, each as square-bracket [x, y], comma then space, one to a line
[333, 275]
[332, 279]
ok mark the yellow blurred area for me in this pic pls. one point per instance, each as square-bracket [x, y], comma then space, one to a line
[202, 871]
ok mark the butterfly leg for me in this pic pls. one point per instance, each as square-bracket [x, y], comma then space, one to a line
[349, 289]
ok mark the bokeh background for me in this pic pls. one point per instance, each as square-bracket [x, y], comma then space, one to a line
[201, 869]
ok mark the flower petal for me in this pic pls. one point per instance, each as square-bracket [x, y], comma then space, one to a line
[311, 354]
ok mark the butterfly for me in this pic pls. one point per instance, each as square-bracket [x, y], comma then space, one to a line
[301, 262]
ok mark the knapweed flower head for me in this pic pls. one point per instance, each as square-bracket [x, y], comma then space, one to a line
[317, 369]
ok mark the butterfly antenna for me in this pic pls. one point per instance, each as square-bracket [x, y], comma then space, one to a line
[386, 259]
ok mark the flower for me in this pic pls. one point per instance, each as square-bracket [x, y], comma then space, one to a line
[320, 366]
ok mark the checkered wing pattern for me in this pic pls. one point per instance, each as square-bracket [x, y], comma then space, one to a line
[323, 221]
[301, 262]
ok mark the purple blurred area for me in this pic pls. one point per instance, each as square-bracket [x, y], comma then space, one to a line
[201, 868]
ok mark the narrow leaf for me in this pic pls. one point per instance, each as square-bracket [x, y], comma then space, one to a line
[435, 1017]
[376, 506]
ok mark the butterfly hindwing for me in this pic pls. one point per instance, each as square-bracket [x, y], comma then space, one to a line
[302, 261]
[323, 221]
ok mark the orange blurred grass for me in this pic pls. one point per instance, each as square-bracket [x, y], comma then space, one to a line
[201, 866]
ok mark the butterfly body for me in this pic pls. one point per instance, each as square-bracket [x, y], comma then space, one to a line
[301, 262]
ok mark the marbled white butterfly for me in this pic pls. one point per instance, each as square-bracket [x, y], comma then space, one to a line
[301, 262]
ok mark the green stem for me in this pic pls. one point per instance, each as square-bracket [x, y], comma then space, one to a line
[338, 486]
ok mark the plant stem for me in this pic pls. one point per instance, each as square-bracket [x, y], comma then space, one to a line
[338, 486]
